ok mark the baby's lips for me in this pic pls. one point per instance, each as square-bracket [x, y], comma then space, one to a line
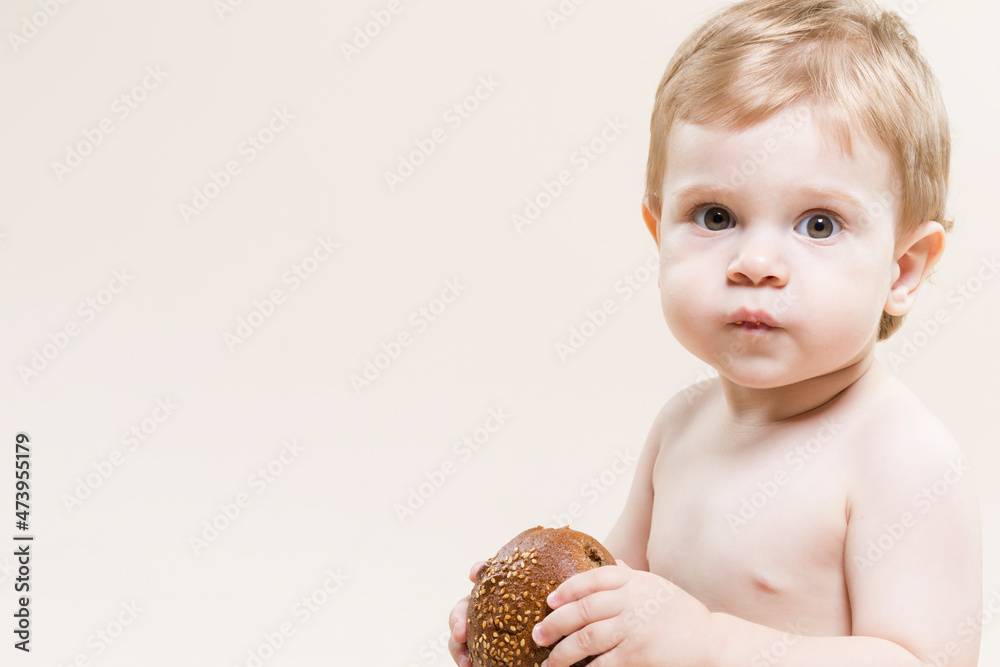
[748, 316]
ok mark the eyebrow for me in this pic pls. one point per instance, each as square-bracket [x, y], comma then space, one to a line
[713, 190]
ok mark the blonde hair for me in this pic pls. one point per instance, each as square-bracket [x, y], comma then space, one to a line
[853, 62]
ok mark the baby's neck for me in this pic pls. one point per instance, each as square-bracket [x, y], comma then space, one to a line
[754, 408]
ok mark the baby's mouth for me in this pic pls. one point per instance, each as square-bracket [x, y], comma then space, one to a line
[753, 320]
[752, 325]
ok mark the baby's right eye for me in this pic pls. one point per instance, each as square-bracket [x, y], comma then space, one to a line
[714, 218]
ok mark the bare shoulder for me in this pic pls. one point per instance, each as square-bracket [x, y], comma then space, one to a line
[901, 447]
[672, 421]
[683, 407]
[900, 424]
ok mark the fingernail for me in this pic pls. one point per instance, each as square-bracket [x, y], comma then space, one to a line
[536, 634]
[464, 662]
[551, 599]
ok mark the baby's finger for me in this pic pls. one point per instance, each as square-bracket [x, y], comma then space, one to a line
[459, 653]
[574, 616]
[595, 639]
[583, 584]
[456, 619]
[474, 570]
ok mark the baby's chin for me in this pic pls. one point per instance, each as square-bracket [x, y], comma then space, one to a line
[762, 374]
[752, 381]
[769, 374]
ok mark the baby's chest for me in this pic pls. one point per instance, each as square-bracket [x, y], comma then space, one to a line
[765, 534]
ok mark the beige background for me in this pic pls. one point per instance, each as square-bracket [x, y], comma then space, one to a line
[333, 507]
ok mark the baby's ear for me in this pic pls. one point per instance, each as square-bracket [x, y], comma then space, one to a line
[649, 205]
[916, 257]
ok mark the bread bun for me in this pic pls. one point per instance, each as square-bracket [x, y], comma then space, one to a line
[508, 598]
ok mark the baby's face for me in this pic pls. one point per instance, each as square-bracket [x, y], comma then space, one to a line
[775, 224]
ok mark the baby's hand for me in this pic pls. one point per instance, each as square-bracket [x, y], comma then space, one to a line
[631, 616]
[456, 621]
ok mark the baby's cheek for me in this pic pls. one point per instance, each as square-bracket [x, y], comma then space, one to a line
[682, 288]
[863, 300]
[685, 312]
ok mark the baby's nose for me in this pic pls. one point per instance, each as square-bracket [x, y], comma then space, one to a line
[758, 261]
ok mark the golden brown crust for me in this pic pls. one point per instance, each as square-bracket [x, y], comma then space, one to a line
[508, 598]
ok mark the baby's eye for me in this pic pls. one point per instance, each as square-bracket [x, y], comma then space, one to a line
[818, 226]
[714, 218]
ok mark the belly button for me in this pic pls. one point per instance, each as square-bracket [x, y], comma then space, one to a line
[763, 583]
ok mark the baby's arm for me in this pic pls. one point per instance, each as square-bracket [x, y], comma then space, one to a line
[629, 537]
[913, 567]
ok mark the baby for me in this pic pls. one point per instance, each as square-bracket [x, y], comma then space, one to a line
[802, 507]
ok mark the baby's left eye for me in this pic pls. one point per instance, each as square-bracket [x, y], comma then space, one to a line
[818, 226]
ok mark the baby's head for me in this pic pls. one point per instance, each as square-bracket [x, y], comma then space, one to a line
[851, 65]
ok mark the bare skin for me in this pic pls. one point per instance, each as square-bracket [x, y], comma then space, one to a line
[803, 506]
[756, 525]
